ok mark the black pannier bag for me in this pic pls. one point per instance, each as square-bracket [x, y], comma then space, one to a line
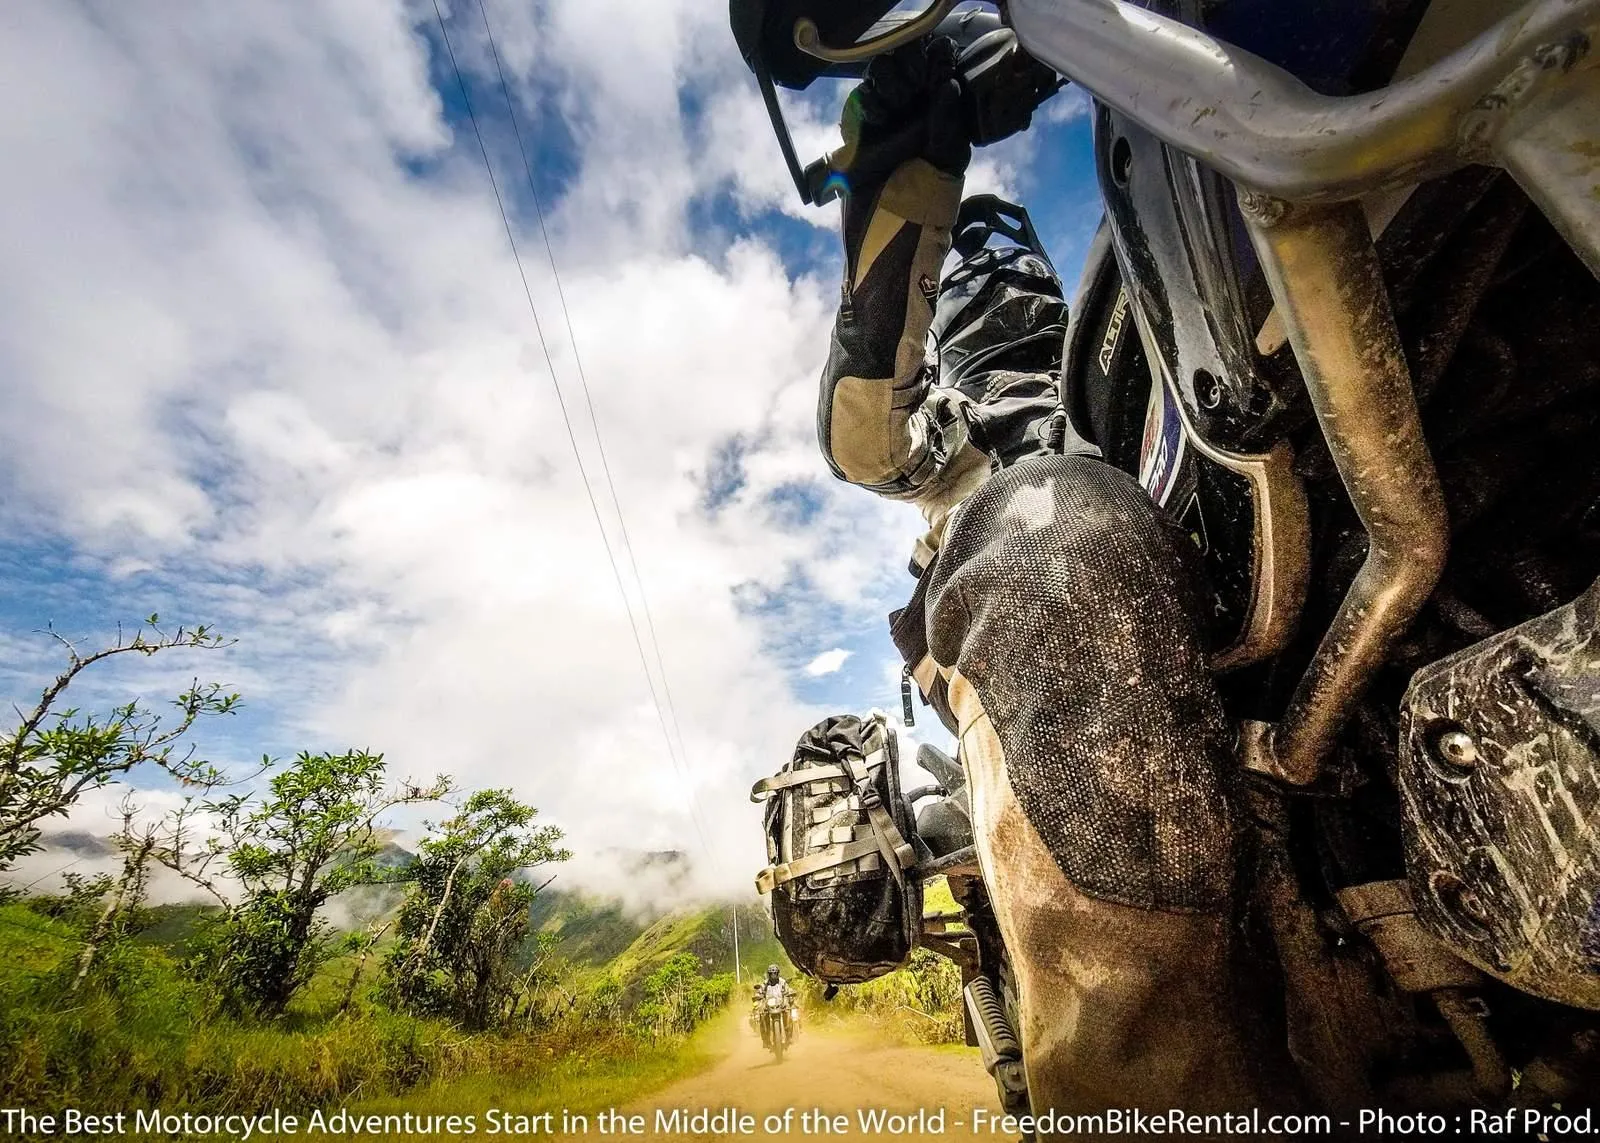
[846, 902]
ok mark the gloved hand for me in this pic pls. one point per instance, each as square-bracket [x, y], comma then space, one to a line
[908, 106]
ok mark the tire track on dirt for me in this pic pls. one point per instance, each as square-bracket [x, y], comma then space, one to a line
[836, 1069]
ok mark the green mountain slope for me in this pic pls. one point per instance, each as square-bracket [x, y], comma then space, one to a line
[706, 932]
[589, 930]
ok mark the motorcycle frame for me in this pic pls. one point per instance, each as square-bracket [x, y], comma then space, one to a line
[1314, 178]
[1522, 96]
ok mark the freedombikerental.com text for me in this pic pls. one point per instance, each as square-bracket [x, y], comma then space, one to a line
[733, 1122]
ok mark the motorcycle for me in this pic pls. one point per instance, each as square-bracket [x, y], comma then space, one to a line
[1341, 320]
[776, 1019]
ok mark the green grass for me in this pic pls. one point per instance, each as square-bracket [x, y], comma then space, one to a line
[171, 926]
[32, 943]
[140, 1034]
[936, 897]
[583, 1078]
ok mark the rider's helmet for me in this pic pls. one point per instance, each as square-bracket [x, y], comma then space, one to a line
[772, 974]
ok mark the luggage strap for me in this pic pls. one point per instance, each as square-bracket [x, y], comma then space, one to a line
[897, 854]
[886, 840]
[765, 788]
[774, 875]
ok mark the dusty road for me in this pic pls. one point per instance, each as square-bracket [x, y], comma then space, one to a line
[837, 1071]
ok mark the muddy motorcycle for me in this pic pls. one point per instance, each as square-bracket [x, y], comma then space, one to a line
[1341, 320]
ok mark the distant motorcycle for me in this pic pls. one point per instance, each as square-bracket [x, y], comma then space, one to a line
[776, 1020]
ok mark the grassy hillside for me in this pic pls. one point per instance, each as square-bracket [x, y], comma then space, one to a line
[706, 933]
[589, 930]
[141, 1032]
[173, 926]
[614, 1021]
[613, 1014]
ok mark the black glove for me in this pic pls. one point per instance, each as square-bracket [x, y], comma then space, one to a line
[907, 107]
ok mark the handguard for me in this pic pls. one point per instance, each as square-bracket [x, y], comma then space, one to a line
[1001, 84]
[1500, 782]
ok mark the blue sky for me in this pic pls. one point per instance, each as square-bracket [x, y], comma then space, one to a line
[269, 365]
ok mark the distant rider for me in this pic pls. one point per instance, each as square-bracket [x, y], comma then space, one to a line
[763, 988]
[774, 980]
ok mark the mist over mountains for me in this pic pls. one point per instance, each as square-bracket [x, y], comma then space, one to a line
[597, 904]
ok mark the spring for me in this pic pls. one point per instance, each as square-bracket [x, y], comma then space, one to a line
[987, 1009]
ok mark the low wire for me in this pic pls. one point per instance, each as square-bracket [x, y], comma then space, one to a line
[566, 421]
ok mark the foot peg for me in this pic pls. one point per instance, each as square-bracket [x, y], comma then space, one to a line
[998, 1044]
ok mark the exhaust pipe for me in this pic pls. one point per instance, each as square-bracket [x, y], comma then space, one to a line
[1326, 280]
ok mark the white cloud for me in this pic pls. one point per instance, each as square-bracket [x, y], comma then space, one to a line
[261, 339]
[827, 663]
[1070, 103]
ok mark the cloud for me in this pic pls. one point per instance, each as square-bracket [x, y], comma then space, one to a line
[827, 663]
[1072, 102]
[79, 844]
[268, 361]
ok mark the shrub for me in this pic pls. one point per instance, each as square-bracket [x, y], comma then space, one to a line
[921, 1001]
[676, 999]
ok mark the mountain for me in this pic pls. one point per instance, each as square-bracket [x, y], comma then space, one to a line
[625, 934]
[707, 933]
[590, 930]
[79, 843]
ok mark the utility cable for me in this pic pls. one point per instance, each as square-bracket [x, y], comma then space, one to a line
[572, 439]
[583, 381]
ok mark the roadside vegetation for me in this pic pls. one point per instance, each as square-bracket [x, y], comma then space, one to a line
[144, 1032]
[920, 1003]
[456, 977]
[257, 1000]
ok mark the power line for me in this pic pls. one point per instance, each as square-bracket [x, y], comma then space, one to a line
[583, 381]
[566, 421]
[594, 420]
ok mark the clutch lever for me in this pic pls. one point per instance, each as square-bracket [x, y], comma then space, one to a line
[809, 40]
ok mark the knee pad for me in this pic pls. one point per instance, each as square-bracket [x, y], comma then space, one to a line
[1064, 597]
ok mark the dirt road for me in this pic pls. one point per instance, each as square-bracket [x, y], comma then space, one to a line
[837, 1070]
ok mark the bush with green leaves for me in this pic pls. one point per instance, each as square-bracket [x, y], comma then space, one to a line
[53, 757]
[602, 1001]
[676, 999]
[466, 919]
[143, 1034]
[312, 834]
